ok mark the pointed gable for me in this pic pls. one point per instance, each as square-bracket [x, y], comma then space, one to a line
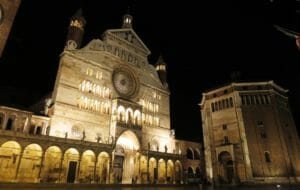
[128, 36]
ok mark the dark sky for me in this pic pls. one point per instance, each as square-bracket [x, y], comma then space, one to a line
[201, 42]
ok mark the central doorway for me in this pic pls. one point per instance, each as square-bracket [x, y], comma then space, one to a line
[227, 169]
[71, 172]
[126, 161]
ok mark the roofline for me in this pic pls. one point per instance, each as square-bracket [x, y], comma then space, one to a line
[233, 84]
[148, 52]
[15, 109]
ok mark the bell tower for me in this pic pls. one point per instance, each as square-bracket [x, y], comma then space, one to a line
[8, 10]
[127, 21]
[161, 68]
[76, 31]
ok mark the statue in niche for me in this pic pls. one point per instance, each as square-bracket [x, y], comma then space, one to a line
[98, 139]
[83, 135]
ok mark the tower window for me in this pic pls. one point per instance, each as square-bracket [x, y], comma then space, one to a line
[9, 124]
[224, 127]
[259, 123]
[267, 99]
[216, 106]
[267, 157]
[243, 100]
[226, 140]
[227, 103]
[212, 107]
[231, 102]
[38, 130]
[263, 135]
[223, 104]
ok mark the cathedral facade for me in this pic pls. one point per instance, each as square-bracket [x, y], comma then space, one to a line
[106, 121]
[249, 134]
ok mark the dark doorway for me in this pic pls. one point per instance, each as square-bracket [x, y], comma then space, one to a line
[118, 168]
[71, 172]
[229, 171]
[155, 175]
[227, 163]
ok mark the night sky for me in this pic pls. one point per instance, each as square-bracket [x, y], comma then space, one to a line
[201, 42]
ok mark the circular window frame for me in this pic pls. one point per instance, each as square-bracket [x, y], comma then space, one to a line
[135, 90]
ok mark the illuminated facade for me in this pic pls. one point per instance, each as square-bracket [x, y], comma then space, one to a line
[249, 134]
[107, 120]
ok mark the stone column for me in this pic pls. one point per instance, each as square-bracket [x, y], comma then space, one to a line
[108, 172]
[147, 169]
[41, 165]
[166, 172]
[78, 171]
[18, 165]
[60, 167]
[174, 173]
[95, 168]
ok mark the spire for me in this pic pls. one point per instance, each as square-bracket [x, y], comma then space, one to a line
[76, 31]
[160, 61]
[127, 20]
[160, 66]
[79, 15]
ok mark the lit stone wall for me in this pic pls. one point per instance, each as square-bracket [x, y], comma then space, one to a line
[247, 140]
[93, 133]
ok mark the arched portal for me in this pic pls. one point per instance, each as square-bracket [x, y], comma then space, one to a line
[226, 172]
[51, 169]
[143, 169]
[152, 170]
[170, 171]
[86, 172]
[126, 158]
[30, 163]
[70, 164]
[161, 171]
[102, 168]
[9, 157]
[178, 171]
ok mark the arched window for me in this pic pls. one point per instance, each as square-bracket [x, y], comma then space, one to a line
[121, 113]
[9, 124]
[190, 172]
[198, 174]
[137, 117]
[39, 130]
[189, 154]
[197, 154]
[267, 157]
[129, 115]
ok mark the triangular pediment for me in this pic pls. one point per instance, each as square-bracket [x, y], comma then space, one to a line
[129, 36]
